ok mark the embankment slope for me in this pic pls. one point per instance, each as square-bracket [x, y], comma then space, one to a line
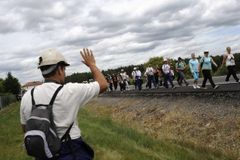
[207, 122]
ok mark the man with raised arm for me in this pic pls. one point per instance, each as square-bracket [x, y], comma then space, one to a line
[68, 101]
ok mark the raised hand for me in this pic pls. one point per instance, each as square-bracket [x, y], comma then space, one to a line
[88, 58]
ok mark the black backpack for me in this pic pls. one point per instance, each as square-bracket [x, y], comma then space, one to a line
[41, 139]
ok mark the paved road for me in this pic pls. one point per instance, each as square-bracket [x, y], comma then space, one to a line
[218, 80]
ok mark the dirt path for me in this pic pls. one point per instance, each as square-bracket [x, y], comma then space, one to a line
[207, 122]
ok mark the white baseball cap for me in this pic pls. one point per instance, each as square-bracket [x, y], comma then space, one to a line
[51, 57]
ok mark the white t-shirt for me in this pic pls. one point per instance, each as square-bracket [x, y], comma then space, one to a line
[166, 68]
[136, 73]
[124, 75]
[66, 105]
[133, 74]
[149, 71]
[230, 60]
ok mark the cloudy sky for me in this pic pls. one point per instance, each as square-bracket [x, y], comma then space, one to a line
[120, 33]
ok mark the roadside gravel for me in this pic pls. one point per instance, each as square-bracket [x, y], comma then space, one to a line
[208, 122]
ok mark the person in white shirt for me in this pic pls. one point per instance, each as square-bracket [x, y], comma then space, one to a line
[150, 76]
[124, 77]
[166, 68]
[70, 98]
[229, 60]
[136, 74]
[134, 77]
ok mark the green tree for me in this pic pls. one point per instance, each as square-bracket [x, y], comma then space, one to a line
[154, 62]
[11, 84]
[79, 77]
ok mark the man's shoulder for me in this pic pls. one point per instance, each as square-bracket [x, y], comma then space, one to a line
[26, 94]
[71, 85]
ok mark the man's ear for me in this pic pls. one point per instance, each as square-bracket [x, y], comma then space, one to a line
[59, 70]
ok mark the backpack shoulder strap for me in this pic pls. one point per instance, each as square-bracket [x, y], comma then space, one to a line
[55, 95]
[33, 101]
[51, 105]
[66, 136]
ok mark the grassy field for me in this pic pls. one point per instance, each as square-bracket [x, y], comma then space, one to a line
[110, 140]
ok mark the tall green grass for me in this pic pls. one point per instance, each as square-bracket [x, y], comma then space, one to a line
[110, 140]
[11, 137]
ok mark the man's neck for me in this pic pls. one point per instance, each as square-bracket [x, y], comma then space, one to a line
[54, 80]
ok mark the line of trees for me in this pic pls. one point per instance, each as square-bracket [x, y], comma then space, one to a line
[156, 62]
[10, 85]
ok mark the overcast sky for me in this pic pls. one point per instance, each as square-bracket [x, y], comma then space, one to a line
[120, 33]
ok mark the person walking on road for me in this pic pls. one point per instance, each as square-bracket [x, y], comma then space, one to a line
[194, 68]
[69, 100]
[180, 67]
[124, 77]
[115, 81]
[156, 76]
[229, 61]
[150, 76]
[110, 82]
[206, 66]
[136, 74]
[166, 68]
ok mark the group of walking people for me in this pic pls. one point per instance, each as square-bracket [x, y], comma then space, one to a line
[164, 75]
[205, 65]
[121, 79]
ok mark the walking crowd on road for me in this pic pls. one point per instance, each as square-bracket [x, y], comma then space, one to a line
[164, 75]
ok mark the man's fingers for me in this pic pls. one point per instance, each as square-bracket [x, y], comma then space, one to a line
[83, 56]
[91, 54]
[86, 52]
[87, 56]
